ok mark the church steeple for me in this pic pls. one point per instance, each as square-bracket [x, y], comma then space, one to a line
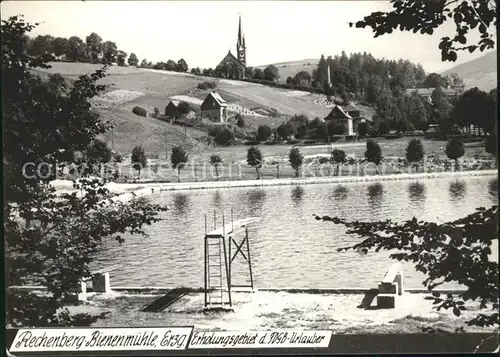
[240, 44]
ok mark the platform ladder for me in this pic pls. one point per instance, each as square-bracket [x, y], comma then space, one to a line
[217, 289]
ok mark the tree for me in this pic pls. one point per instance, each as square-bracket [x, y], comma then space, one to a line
[216, 161]
[285, 130]
[303, 78]
[224, 137]
[441, 107]
[296, 159]
[139, 160]
[42, 45]
[258, 74]
[338, 157]
[51, 239]
[383, 128]
[170, 65]
[457, 251]
[473, 108]
[249, 72]
[60, 46]
[362, 129]
[181, 66]
[289, 80]
[109, 52]
[415, 151]
[183, 108]
[271, 73]
[98, 152]
[322, 131]
[478, 17]
[263, 132]
[133, 60]
[373, 153]
[76, 50]
[179, 158]
[94, 45]
[144, 63]
[455, 149]
[492, 145]
[435, 80]
[254, 159]
[120, 58]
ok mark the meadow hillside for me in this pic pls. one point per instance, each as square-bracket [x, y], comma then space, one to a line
[290, 69]
[148, 88]
[481, 72]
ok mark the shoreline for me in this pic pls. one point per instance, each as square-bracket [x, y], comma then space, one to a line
[151, 187]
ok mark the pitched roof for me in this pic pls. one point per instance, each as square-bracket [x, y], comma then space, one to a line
[350, 108]
[175, 102]
[338, 112]
[231, 57]
[218, 99]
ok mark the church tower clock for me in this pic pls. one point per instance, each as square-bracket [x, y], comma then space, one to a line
[241, 50]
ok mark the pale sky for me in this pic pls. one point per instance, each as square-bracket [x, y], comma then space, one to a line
[202, 32]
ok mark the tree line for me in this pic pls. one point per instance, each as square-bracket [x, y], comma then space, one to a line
[93, 50]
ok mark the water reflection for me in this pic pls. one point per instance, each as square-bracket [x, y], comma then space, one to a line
[217, 199]
[493, 189]
[457, 190]
[416, 190]
[297, 194]
[340, 193]
[181, 203]
[256, 199]
[375, 194]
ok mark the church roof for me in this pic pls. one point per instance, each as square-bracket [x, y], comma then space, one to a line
[230, 57]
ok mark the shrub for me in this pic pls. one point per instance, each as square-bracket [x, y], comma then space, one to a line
[264, 132]
[338, 157]
[117, 157]
[373, 153]
[296, 159]
[240, 121]
[156, 113]
[140, 111]
[362, 129]
[254, 159]
[207, 85]
[414, 151]
[224, 137]
[139, 160]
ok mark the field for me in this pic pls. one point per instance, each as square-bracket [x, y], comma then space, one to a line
[147, 88]
[290, 69]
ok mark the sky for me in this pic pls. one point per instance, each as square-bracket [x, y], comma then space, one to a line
[202, 32]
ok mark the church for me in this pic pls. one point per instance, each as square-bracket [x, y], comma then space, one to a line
[234, 67]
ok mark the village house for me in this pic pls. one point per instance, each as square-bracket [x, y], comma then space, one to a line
[214, 108]
[426, 93]
[350, 116]
[172, 110]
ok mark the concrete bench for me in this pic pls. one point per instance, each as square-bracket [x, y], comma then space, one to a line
[390, 287]
[100, 282]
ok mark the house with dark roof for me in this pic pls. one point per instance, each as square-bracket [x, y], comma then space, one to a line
[349, 115]
[172, 110]
[214, 108]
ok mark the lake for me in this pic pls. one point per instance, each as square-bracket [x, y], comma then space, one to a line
[289, 248]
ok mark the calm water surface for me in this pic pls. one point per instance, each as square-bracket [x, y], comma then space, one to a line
[289, 248]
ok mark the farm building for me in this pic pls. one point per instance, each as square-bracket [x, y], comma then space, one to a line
[172, 110]
[349, 116]
[214, 108]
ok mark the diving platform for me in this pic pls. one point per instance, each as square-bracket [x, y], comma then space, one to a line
[219, 256]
